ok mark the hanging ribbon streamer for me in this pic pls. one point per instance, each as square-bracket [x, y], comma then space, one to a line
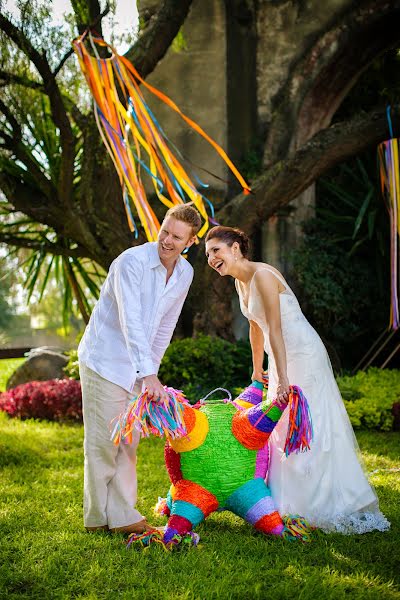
[388, 154]
[135, 140]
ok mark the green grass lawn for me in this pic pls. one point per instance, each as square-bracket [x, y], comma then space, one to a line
[45, 552]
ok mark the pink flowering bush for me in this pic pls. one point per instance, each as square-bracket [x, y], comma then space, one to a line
[54, 400]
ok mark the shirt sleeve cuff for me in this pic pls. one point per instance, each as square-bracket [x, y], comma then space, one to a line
[147, 367]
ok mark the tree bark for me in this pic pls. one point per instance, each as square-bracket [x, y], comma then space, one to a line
[286, 179]
[158, 35]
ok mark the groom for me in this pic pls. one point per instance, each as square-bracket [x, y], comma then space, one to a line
[120, 353]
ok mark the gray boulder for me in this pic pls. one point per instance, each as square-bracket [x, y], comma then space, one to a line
[41, 349]
[40, 366]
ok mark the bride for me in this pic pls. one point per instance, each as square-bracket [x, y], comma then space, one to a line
[326, 485]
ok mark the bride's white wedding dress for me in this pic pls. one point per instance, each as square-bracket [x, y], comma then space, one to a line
[326, 485]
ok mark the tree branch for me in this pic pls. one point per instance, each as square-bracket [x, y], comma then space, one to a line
[6, 78]
[286, 179]
[81, 29]
[58, 110]
[32, 201]
[157, 37]
[15, 145]
[88, 15]
[21, 241]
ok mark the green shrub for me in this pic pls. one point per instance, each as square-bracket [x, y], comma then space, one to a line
[198, 365]
[7, 368]
[71, 369]
[369, 397]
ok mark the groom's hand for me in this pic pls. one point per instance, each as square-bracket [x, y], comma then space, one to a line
[154, 388]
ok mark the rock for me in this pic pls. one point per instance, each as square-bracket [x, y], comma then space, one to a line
[41, 366]
[40, 349]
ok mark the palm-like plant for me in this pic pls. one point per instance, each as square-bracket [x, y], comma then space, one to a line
[343, 265]
[47, 253]
[351, 207]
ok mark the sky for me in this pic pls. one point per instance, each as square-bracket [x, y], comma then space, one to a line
[125, 20]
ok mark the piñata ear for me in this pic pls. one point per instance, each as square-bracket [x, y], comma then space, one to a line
[197, 429]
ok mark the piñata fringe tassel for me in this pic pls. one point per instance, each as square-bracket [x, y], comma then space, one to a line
[156, 537]
[152, 417]
[162, 508]
[296, 528]
[265, 379]
[300, 430]
[145, 539]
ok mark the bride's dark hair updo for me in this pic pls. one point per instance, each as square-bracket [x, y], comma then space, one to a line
[230, 235]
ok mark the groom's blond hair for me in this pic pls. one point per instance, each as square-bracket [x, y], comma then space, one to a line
[186, 213]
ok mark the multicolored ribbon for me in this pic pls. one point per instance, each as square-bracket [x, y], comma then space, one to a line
[388, 154]
[300, 430]
[151, 417]
[136, 142]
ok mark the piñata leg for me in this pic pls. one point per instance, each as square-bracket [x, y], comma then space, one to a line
[253, 502]
[164, 505]
[191, 504]
[253, 426]
[173, 464]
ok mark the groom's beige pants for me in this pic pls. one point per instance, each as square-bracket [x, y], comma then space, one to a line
[110, 483]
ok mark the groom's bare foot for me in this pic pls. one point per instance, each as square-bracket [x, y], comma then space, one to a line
[139, 527]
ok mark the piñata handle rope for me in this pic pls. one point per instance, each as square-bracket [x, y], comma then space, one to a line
[216, 390]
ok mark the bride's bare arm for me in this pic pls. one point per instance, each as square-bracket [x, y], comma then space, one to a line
[257, 350]
[268, 288]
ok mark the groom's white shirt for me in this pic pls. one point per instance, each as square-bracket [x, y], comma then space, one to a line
[134, 319]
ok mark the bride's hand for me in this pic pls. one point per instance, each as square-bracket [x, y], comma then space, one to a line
[283, 390]
[257, 376]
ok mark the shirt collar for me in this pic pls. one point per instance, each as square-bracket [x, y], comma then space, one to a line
[156, 262]
[154, 256]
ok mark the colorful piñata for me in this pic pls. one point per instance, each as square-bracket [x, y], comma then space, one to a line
[221, 461]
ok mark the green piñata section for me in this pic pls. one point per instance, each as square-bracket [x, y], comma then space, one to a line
[221, 464]
[274, 413]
